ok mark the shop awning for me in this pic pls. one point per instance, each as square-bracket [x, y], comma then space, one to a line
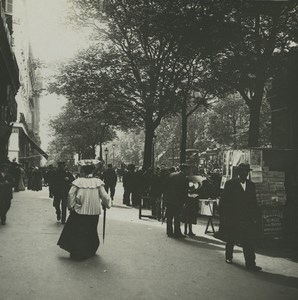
[36, 147]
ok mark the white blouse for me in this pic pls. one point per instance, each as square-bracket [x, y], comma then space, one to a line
[87, 195]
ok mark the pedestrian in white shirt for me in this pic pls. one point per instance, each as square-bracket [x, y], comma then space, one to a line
[86, 198]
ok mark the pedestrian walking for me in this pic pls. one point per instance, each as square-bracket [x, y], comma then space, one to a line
[110, 180]
[22, 178]
[86, 198]
[36, 180]
[175, 194]
[16, 174]
[6, 186]
[129, 180]
[29, 178]
[49, 179]
[121, 171]
[61, 183]
[238, 209]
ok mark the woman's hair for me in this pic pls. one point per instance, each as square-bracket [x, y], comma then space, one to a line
[87, 169]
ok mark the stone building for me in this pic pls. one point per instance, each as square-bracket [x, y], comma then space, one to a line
[24, 142]
[9, 78]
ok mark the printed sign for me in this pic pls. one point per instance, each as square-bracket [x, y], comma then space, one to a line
[272, 221]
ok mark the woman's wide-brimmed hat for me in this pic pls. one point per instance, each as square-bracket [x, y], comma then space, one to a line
[88, 162]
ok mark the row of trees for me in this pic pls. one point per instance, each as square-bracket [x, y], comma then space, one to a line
[155, 59]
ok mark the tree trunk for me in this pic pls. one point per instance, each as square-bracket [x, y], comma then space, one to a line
[183, 133]
[88, 153]
[149, 133]
[100, 150]
[254, 123]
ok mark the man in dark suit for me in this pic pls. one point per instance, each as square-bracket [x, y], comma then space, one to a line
[238, 208]
[61, 183]
[110, 180]
[175, 195]
[129, 185]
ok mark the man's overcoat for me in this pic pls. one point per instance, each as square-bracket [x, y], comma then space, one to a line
[238, 208]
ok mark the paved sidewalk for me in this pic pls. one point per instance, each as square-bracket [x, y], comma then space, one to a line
[137, 261]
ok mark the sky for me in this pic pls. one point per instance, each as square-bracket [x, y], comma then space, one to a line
[53, 41]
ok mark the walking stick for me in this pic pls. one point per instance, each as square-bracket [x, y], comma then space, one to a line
[104, 225]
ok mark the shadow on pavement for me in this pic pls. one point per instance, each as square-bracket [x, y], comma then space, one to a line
[203, 242]
[278, 249]
[278, 279]
[94, 262]
[274, 248]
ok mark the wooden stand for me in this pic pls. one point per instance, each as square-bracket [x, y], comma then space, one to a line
[140, 208]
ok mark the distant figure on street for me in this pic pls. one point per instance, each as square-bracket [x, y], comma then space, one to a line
[16, 174]
[190, 209]
[29, 178]
[129, 185]
[6, 184]
[175, 194]
[49, 179]
[155, 191]
[110, 180]
[86, 198]
[238, 210]
[22, 178]
[61, 183]
[36, 180]
[121, 171]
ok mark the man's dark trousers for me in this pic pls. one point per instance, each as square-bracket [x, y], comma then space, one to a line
[112, 190]
[60, 201]
[244, 234]
[4, 207]
[173, 213]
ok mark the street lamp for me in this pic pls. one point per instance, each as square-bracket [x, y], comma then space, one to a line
[106, 153]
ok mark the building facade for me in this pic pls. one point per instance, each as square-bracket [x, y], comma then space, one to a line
[24, 142]
[9, 78]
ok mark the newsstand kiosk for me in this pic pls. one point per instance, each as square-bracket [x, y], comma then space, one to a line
[269, 173]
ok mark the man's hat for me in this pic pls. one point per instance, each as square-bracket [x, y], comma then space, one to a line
[244, 166]
[61, 163]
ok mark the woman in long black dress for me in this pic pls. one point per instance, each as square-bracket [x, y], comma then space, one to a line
[85, 200]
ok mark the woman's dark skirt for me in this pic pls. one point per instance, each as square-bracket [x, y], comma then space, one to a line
[189, 214]
[79, 236]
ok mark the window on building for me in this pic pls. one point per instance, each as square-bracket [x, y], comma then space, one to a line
[8, 6]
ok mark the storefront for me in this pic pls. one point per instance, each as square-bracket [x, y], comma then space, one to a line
[23, 148]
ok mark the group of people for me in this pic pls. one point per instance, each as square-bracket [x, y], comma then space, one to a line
[238, 210]
[178, 192]
[86, 195]
[12, 179]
